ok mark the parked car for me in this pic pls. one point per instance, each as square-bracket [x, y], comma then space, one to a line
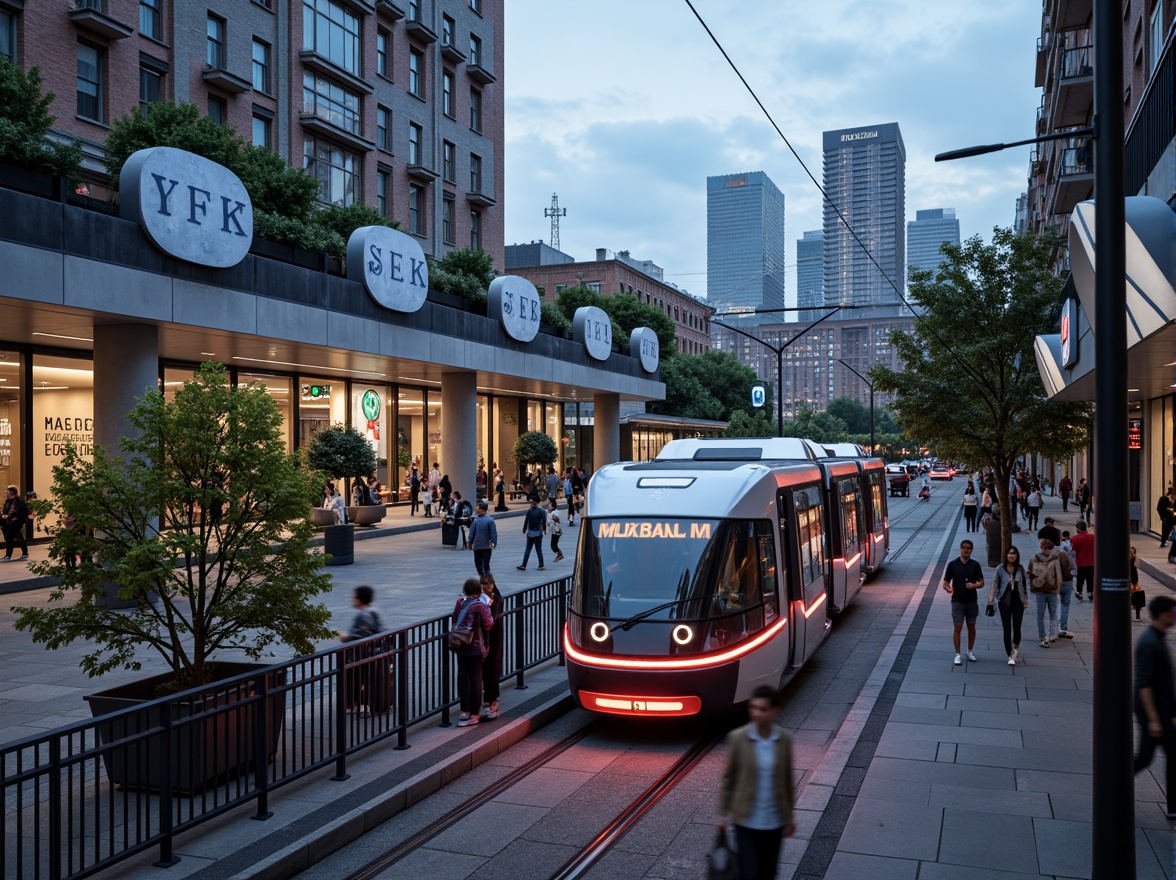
[941, 471]
[899, 480]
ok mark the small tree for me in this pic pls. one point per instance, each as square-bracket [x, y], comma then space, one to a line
[341, 451]
[745, 424]
[464, 272]
[628, 313]
[535, 447]
[185, 523]
[25, 122]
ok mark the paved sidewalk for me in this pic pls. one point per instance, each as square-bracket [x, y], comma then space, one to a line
[983, 770]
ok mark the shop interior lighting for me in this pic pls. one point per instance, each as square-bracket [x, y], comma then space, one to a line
[307, 366]
[63, 336]
[208, 353]
[51, 388]
[415, 379]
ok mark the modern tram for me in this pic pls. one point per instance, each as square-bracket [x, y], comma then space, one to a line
[716, 568]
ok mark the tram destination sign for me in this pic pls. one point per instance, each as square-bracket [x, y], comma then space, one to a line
[643, 344]
[190, 207]
[516, 303]
[390, 265]
[592, 328]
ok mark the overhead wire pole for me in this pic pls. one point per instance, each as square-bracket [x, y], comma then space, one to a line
[779, 352]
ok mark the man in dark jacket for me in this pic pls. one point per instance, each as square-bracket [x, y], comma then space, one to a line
[1050, 531]
[13, 518]
[1166, 508]
[534, 527]
[483, 538]
[1155, 694]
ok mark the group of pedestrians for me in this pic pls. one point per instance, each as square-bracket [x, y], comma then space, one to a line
[1082, 494]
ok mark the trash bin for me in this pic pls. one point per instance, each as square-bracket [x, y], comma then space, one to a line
[448, 533]
[339, 544]
[992, 539]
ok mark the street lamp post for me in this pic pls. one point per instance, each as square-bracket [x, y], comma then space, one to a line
[869, 385]
[1113, 802]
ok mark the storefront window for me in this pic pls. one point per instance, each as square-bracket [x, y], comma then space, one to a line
[534, 415]
[483, 429]
[63, 414]
[278, 388]
[370, 416]
[10, 410]
[173, 378]
[553, 430]
[433, 424]
[410, 436]
[321, 402]
[506, 421]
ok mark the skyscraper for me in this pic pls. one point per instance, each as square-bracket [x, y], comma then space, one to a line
[925, 234]
[865, 176]
[810, 273]
[744, 256]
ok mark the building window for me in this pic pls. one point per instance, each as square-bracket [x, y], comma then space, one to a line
[447, 221]
[415, 134]
[475, 173]
[448, 162]
[416, 67]
[1157, 34]
[336, 170]
[261, 132]
[90, 98]
[414, 10]
[328, 29]
[382, 53]
[416, 209]
[218, 110]
[383, 124]
[150, 87]
[261, 66]
[475, 229]
[475, 52]
[447, 26]
[559, 288]
[8, 35]
[447, 94]
[327, 100]
[382, 193]
[215, 56]
[594, 286]
[475, 110]
[151, 19]
[476, 5]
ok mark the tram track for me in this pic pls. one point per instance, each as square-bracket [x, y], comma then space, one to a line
[935, 511]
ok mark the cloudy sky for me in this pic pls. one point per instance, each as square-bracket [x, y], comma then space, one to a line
[624, 107]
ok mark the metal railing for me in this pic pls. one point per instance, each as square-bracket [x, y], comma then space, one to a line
[81, 798]
[1077, 157]
[1154, 124]
[1076, 62]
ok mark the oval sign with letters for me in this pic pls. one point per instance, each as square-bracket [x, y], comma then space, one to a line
[190, 207]
[644, 344]
[391, 266]
[592, 328]
[517, 304]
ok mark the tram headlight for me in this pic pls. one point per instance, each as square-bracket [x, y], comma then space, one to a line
[599, 631]
[682, 634]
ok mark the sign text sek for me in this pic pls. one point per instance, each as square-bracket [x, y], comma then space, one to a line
[391, 266]
[517, 304]
[188, 206]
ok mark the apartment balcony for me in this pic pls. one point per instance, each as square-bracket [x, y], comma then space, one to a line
[482, 200]
[1153, 127]
[321, 120]
[420, 32]
[390, 10]
[1070, 14]
[480, 74]
[1041, 120]
[1043, 45]
[451, 53]
[422, 173]
[1074, 92]
[90, 16]
[1075, 177]
[226, 81]
[315, 61]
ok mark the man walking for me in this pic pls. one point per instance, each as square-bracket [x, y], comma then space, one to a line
[483, 538]
[1083, 546]
[1166, 508]
[551, 482]
[961, 581]
[1050, 532]
[1065, 488]
[1155, 694]
[534, 527]
[1065, 555]
[1085, 498]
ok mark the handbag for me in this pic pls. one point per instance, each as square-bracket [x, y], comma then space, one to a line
[720, 861]
[461, 636]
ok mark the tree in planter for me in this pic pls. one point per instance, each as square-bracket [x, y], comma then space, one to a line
[190, 512]
[341, 451]
[464, 272]
[535, 447]
[25, 122]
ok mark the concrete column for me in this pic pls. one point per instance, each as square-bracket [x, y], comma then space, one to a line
[606, 430]
[459, 431]
[126, 366]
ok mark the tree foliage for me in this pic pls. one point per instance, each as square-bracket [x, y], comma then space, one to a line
[750, 424]
[465, 272]
[25, 121]
[341, 451]
[970, 388]
[821, 427]
[184, 522]
[712, 385]
[628, 313]
[535, 447]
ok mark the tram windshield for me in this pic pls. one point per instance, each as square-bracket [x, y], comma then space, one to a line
[717, 575]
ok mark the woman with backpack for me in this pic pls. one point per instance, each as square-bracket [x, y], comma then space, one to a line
[1010, 593]
[1045, 580]
[471, 615]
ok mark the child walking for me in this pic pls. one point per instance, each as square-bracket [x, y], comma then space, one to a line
[556, 528]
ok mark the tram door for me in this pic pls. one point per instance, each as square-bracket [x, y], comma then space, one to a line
[850, 503]
[808, 586]
[878, 542]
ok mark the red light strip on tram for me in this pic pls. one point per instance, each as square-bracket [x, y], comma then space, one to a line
[808, 612]
[697, 662]
[616, 704]
[852, 559]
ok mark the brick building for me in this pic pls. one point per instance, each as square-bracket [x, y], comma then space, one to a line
[551, 271]
[395, 104]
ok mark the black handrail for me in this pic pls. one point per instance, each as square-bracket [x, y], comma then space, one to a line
[81, 798]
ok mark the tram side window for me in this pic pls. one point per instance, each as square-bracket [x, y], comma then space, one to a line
[809, 534]
[767, 560]
[876, 499]
[849, 514]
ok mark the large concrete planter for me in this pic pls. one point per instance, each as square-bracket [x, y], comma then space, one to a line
[211, 741]
[339, 544]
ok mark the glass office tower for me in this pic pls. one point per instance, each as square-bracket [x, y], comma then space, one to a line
[926, 233]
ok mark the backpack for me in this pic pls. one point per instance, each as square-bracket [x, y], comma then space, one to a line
[414, 482]
[1040, 578]
[1066, 565]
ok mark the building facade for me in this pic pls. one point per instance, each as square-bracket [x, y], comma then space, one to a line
[929, 231]
[810, 273]
[865, 176]
[398, 105]
[745, 257]
[613, 273]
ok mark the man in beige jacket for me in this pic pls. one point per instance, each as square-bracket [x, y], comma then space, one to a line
[757, 790]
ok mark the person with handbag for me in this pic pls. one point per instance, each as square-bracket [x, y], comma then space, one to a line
[756, 792]
[1010, 593]
[363, 684]
[492, 663]
[471, 622]
[1138, 596]
[1045, 580]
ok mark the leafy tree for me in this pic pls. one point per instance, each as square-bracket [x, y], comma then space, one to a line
[712, 385]
[851, 411]
[750, 424]
[970, 388]
[190, 512]
[550, 313]
[571, 298]
[535, 447]
[465, 272]
[821, 427]
[25, 122]
[628, 313]
[341, 451]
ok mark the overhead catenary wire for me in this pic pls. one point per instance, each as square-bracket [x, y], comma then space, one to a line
[824, 195]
